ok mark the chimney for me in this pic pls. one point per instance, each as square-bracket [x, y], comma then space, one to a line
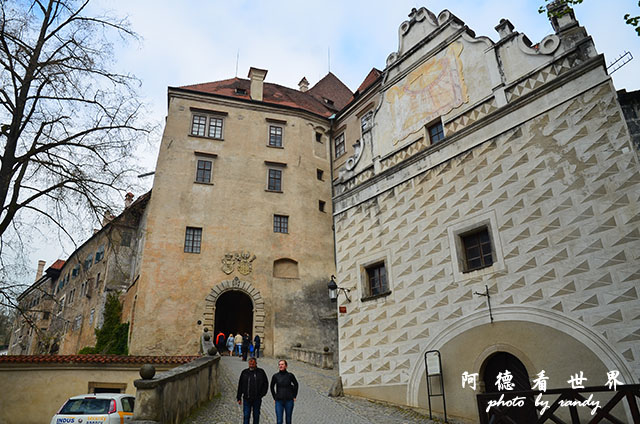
[40, 270]
[303, 84]
[504, 28]
[107, 218]
[561, 16]
[257, 82]
[128, 200]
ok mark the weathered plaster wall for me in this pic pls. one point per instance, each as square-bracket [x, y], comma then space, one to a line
[236, 213]
[38, 391]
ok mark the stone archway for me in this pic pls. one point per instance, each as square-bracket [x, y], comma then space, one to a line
[236, 285]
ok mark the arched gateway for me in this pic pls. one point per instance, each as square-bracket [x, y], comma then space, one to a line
[237, 297]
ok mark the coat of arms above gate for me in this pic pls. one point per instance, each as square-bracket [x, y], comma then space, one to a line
[241, 260]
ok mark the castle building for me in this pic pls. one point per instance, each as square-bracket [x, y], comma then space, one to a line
[477, 201]
[238, 236]
[488, 210]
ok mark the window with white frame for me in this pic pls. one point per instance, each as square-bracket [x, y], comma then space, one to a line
[280, 224]
[207, 125]
[275, 135]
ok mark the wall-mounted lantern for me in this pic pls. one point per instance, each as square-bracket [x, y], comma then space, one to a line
[334, 290]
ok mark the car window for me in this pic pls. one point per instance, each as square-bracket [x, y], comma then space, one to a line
[127, 404]
[86, 406]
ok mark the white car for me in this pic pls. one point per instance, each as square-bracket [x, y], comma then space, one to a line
[97, 408]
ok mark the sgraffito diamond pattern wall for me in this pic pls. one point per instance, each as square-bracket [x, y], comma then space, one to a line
[566, 200]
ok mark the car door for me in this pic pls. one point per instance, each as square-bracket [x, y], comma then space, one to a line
[128, 404]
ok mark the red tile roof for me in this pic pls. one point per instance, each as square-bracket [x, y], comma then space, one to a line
[57, 265]
[372, 77]
[95, 359]
[329, 87]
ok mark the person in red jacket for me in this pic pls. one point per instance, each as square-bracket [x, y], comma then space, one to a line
[220, 342]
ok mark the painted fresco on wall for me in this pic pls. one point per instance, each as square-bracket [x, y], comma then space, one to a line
[432, 90]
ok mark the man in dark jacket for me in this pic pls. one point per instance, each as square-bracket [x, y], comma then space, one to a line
[252, 387]
[284, 389]
[246, 341]
[256, 346]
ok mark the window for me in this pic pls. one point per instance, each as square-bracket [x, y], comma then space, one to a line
[45, 315]
[77, 323]
[72, 294]
[100, 254]
[319, 174]
[93, 311]
[274, 182]
[477, 250]
[88, 262]
[203, 172]
[339, 145]
[319, 137]
[98, 280]
[376, 275]
[126, 239]
[192, 240]
[206, 126]
[275, 136]
[61, 305]
[83, 288]
[75, 271]
[321, 204]
[436, 132]
[280, 224]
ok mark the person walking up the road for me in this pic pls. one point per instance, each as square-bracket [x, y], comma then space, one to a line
[284, 389]
[252, 387]
[220, 342]
[256, 346]
[230, 344]
[246, 340]
[238, 341]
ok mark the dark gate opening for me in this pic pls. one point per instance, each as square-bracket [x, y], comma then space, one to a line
[499, 363]
[234, 314]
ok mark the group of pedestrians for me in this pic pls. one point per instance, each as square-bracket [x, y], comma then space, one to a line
[240, 345]
[253, 386]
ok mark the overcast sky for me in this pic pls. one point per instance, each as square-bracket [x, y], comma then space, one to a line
[187, 42]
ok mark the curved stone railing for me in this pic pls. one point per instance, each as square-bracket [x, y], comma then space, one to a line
[169, 397]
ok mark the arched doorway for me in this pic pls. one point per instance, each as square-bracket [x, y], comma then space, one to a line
[234, 313]
[254, 311]
[497, 364]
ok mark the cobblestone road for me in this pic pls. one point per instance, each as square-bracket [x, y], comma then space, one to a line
[312, 406]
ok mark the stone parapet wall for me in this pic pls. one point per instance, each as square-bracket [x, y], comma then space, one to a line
[314, 357]
[170, 397]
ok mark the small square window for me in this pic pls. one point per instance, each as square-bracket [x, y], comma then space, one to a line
[88, 262]
[126, 239]
[376, 279]
[436, 132]
[274, 182]
[319, 174]
[99, 254]
[275, 136]
[321, 204]
[339, 145]
[280, 224]
[192, 240]
[215, 127]
[319, 137]
[203, 171]
[477, 250]
[198, 125]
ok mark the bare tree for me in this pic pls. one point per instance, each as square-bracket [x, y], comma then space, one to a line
[68, 122]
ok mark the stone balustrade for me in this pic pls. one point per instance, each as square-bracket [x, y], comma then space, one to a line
[169, 397]
[314, 357]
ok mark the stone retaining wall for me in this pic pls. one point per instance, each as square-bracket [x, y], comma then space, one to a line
[313, 357]
[169, 397]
